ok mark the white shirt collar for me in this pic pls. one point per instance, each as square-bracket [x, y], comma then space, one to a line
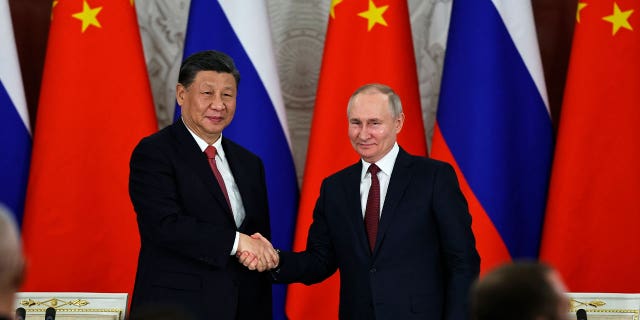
[385, 164]
[203, 144]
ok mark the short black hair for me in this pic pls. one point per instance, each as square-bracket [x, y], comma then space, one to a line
[519, 290]
[208, 60]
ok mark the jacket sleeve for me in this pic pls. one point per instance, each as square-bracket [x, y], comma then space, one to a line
[462, 261]
[318, 261]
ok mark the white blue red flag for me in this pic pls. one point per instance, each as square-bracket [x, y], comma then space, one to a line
[494, 126]
[15, 133]
[241, 29]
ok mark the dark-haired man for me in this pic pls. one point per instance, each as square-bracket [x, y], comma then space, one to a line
[197, 196]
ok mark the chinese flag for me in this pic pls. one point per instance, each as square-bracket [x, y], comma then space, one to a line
[367, 41]
[591, 229]
[79, 227]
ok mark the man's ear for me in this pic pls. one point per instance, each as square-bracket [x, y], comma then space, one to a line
[181, 91]
[399, 122]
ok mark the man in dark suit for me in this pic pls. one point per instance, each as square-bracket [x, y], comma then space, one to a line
[414, 256]
[197, 196]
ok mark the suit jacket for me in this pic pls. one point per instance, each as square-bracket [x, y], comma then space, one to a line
[187, 229]
[424, 260]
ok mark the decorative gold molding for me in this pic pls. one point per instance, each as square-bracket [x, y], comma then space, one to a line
[54, 303]
[592, 307]
[114, 310]
[75, 305]
[575, 304]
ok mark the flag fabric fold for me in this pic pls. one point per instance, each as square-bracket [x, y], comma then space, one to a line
[15, 133]
[79, 230]
[242, 31]
[493, 125]
[590, 232]
[367, 41]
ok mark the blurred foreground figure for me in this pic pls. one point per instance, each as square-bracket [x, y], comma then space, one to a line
[521, 290]
[11, 263]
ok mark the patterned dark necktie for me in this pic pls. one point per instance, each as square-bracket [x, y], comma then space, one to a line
[211, 151]
[372, 212]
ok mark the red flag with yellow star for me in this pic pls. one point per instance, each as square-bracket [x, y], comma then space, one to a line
[367, 41]
[591, 228]
[79, 228]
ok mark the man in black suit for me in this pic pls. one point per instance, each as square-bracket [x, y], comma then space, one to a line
[420, 258]
[197, 196]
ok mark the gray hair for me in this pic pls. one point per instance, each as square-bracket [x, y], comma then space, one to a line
[394, 100]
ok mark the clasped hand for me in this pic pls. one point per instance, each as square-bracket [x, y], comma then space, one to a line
[256, 253]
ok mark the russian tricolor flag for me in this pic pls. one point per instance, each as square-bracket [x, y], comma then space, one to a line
[241, 29]
[15, 135]
[494, 126]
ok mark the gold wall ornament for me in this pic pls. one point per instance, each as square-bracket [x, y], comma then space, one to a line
[576, 304]
[596, 306]
[74, 305]
[54, 303]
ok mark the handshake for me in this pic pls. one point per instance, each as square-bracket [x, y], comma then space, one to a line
[256, 253]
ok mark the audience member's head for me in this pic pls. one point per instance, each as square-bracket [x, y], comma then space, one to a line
[521, 290]
[11, 261]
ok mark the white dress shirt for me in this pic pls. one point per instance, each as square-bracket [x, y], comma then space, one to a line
[386, 168]
[230, 183]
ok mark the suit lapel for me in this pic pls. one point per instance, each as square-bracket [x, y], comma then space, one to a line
[240, 176]
[196, 160]
[354, 206]
[398, 183]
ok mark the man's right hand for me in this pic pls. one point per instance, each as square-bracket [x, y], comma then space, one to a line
[256, 252]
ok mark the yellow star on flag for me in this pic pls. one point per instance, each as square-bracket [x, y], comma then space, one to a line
[619, 19]
[53, 5]
[581, 6]
[374, 15]
[334, 3]
[88, 16]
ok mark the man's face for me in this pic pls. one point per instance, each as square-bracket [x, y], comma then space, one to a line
[208, 104]
[372, 127]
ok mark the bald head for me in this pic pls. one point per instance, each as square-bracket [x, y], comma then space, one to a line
[11, 259]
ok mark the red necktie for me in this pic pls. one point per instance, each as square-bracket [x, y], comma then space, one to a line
[211, 151]
[372, 212]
